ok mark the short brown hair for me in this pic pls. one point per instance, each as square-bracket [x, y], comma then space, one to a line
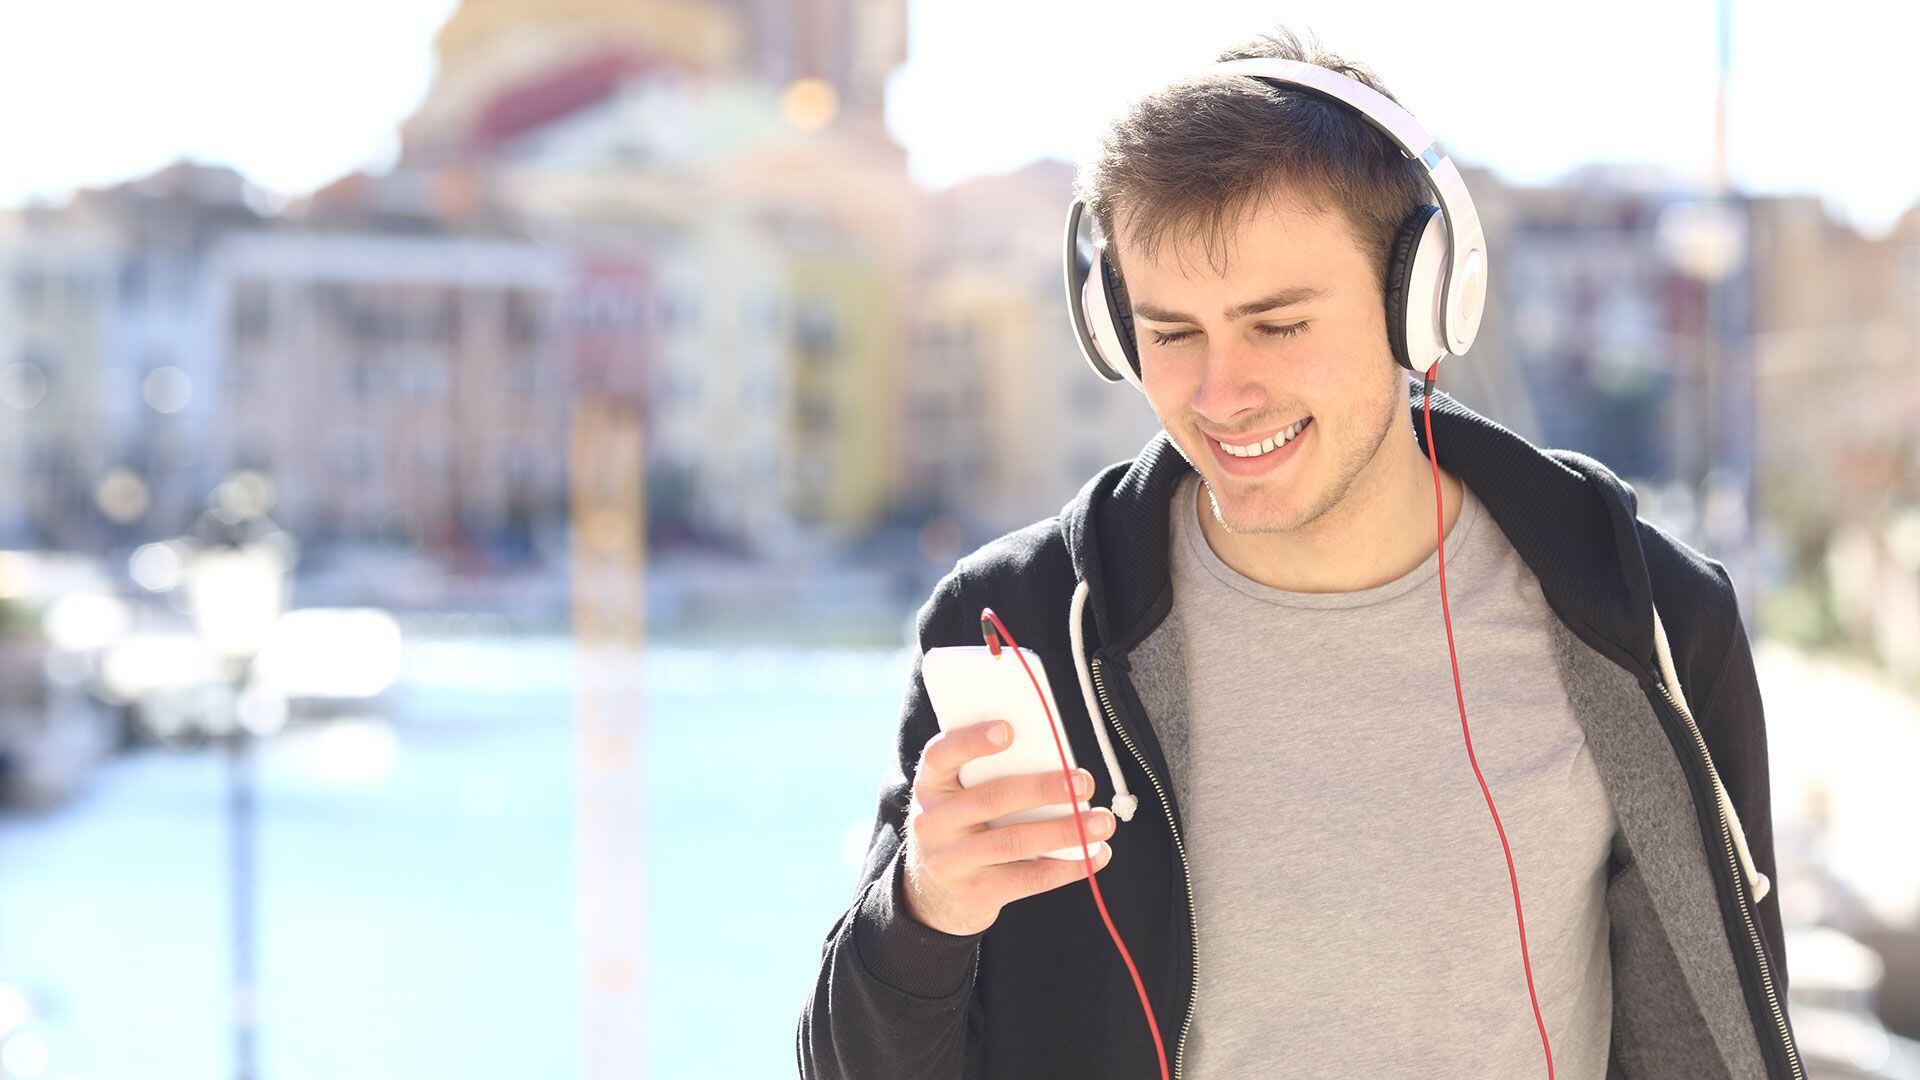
[1192, 156]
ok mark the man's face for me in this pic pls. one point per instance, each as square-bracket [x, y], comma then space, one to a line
[1217, 360]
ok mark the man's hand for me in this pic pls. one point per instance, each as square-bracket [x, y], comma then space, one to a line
[959, 873]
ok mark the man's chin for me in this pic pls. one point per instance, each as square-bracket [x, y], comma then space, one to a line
[1239, 510]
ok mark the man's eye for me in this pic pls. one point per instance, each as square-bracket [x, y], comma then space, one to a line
[1271, 331]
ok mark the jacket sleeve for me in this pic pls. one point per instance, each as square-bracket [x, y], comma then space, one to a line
[892, 996]
[1736, 718]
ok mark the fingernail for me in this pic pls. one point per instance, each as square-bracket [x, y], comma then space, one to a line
[997, 734]
[1083, 783]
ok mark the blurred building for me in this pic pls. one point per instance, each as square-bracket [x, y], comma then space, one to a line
[709, 357]
[696, 207]
[1834, 339]
[1839, 484]
[107, 356]
[744, 170]
[1756, 402]
[1006, 419]
[837, 201]
[388, 361]
[54, 366]
[398, 380]
[503, 68]
[1602, 329]
[851, 45]
[167, 405]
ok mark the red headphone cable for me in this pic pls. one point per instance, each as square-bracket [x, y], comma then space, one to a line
[1093, 881]
[1440, 524]
[1080, 825]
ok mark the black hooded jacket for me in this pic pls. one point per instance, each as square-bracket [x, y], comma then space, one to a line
[1657, 666]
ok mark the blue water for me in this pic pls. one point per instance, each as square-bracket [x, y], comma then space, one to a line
[417, 878]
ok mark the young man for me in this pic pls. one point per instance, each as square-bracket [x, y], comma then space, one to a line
[1312, 885]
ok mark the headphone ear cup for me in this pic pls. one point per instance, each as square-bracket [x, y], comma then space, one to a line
[1121, 309]
[1399, 279]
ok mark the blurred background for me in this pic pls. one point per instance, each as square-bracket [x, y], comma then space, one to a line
[467, 469]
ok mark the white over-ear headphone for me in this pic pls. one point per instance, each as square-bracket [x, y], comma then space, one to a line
[1436, 285]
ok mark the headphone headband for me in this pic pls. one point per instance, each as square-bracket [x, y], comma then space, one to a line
[1435, 289]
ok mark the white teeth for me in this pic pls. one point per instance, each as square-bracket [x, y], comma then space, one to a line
[1268, 445]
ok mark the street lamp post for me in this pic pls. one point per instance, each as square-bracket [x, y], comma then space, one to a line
[1707, 240]
[236, 579]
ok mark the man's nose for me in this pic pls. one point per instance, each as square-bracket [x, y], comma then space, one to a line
[1230, 381]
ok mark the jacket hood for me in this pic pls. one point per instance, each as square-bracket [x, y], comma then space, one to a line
[1569, 517]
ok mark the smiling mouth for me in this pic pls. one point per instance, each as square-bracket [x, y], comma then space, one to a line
[1255, 448]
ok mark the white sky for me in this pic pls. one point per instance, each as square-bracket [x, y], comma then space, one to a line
[93, 91]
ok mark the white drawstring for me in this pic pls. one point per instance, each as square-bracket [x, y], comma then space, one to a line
[1757, 880]
[1124, 803]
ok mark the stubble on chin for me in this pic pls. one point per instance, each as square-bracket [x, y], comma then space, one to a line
[1212, 508]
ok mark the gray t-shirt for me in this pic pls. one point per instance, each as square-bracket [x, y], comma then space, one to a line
[1353, 906]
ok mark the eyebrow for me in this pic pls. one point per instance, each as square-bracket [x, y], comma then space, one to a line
[1284, 298]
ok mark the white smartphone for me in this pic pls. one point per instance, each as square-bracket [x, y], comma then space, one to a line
[968, 684]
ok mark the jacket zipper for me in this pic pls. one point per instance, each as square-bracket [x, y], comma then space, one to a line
[1739, 882]
[1193, 965]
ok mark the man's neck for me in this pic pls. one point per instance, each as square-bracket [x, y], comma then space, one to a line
[1381, 531]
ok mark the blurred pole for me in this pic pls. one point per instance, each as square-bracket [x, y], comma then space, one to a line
[240, 820]
[1707, 239]
[1715, 298]
[608, 507]
[1733, 368]
[237, 589]
[1724, 57]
